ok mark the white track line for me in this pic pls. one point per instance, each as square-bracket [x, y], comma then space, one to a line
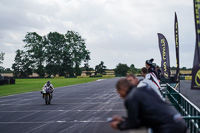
[108, 110]
[75, 121]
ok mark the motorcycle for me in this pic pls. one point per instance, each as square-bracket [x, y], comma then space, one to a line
[47, 95]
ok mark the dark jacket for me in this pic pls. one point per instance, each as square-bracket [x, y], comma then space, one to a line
[146, 108]
[152, 69]
[158, 73]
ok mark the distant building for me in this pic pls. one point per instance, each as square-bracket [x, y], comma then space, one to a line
[7, 74]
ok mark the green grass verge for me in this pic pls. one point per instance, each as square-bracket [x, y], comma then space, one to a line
[29, 85]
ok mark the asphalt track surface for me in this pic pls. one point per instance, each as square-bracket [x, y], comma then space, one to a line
[81, 108]
[192, 95]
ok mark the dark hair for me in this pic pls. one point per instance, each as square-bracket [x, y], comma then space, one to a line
[157, 67]
[123, 83]
[131, 75]
[149, 62]
[144, 70]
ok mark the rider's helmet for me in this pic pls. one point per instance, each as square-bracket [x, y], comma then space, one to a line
[48, 83]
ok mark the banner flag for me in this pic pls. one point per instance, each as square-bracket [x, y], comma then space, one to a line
[164, 51]
[176, 77]
[196, 64]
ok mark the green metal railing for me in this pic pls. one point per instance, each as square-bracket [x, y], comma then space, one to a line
[189, 111]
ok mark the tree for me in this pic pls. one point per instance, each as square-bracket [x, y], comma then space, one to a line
[138, 71]
[55, 45]
[77, 49]
[67, 65]
[1, 57]
[35, 49]
[54, 53]
[8, 70]
[5, 70]
[22, 66]
[121, 69]
[87, 66]
[183, 68]
[173, 68]
[132, 69]
[100, 69]
[65, 53]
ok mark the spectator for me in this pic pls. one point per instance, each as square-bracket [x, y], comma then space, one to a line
[150, 76]
[145, 82]
[158, 72]
[145, 108]
[150, 67]
[144, 71]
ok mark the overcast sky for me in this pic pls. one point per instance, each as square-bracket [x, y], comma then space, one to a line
[116, 31]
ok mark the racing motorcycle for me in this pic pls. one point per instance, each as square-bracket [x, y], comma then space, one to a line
[47, 95]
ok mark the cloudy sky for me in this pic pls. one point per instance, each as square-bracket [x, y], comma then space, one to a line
[116, 31]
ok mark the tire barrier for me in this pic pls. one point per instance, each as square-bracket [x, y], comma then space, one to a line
[12, 81]
[7, 81]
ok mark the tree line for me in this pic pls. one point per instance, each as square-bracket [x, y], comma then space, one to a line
[120, 70]
[182, 68]
[57, 54]
[60, 54]
[51, 54]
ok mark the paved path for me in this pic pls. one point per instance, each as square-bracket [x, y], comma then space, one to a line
[75, 109]
[192, 95]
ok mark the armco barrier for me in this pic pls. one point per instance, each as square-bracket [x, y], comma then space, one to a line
[188, 110]
[118, 75]
[108, 76]
[70, 76]
[95, 76]
[60, 77]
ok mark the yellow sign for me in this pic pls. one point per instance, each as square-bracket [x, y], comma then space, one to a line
[197, 78]
[164, 58]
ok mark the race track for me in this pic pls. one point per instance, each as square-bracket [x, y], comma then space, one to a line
[192, 95]
[80, 108]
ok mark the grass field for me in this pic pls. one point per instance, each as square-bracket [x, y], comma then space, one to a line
[28, 85]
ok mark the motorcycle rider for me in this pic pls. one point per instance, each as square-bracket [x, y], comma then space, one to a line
[48, 84]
